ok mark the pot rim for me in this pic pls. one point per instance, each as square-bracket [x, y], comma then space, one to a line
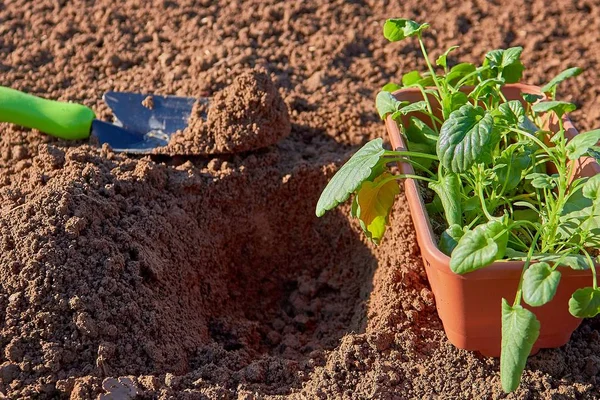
[421, 220]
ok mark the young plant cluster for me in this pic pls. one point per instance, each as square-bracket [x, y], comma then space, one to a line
[504, 187]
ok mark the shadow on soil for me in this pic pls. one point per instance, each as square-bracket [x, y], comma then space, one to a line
[295, 284]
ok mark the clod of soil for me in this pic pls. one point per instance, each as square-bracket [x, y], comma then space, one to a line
[148, 102]
[247, 115]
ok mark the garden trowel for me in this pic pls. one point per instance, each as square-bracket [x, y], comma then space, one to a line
[137, 128]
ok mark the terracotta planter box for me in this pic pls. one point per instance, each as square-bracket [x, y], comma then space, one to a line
[470, 305]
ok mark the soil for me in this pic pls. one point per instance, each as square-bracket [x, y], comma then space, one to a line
[209, 276]
[148, 102]
[247, 115]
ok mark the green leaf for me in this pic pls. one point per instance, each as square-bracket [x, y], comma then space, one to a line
[531, 98]
[591, 188]
[506, 63]
[397, 29]
[486, 87]
[417, 106]
[512, 112]
[410, 78]
[539, 284]
[442, 60]
[426, 81]
[390, 87]
[558, 79]
[576, 202]
[528, 125]
[459, 71]
[541, 181]
[581, 143]
[449, 239]
[479, 248]
[504, 58]
[559, 107]
[494, 58]
[449, 188]
[510, 175]
[470, 204]
[573, 261]
[594, 152]
[466, 138]
[352, 174]
[520, 330]
[526, 215]
[386, 104]
[513, 73]
[375, 200]
[453, 102]
[419, 132]
[585, 303]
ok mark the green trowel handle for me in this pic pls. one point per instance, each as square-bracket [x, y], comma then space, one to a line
[63, 120]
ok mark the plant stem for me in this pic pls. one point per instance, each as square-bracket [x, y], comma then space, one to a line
[429, 66]
[593, 267]
[417, 177]
[483, 206]
[532, 137]
[434, 120]
[402, 153]
[466, 77]
[403, 176]
[520, 196]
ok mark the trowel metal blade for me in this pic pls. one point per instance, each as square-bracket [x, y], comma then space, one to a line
[167, 115]
[124, 140]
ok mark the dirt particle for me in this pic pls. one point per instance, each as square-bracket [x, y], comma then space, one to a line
[148, 102]
[75, 225]
[316, 81]
[172, 380]
[20, 153]
[592, 365]
[149, 382]
[13, 351]
[86, 324]
[9, 372]
[51, 157]
[65, 385]
[255, 372]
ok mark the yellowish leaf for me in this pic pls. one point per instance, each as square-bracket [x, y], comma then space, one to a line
[374, 202]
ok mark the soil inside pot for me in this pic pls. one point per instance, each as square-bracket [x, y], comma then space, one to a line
[210, 277]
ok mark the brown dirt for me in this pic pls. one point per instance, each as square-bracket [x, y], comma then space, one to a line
[209, 277]
[148, 102]
[247, 115]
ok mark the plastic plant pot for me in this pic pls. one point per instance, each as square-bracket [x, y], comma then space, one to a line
[470, 305]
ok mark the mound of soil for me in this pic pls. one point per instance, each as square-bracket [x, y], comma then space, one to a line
[210, 276]
[247, 115]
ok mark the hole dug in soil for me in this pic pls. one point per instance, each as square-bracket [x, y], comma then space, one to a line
[216, 269]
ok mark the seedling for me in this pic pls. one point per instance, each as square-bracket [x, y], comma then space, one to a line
[488, 164]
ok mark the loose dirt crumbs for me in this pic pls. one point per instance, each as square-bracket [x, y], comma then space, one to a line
[247, 115]
[148, 102]
[209, 276]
